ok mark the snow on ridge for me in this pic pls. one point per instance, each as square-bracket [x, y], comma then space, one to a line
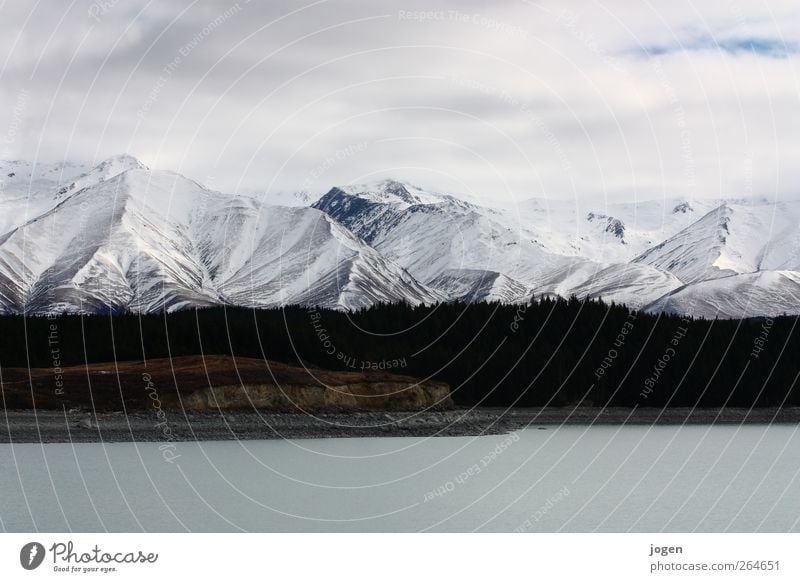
[389, 191]
[105, 170]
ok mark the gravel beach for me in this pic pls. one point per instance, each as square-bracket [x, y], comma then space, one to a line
[26, 426]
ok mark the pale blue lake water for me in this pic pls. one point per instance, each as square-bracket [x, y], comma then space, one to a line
[608, 478]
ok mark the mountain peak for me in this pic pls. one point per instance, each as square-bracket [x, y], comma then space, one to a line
[395, 188]
[118, 164]
[105, 170]
[682, 208]
[391, 191]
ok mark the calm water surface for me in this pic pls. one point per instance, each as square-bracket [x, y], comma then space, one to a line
[609, 478]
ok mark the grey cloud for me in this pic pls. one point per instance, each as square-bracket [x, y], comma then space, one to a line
[544, 97]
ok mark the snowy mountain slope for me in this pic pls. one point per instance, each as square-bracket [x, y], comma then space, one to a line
[633, 253]
[474, 285]
[429, 235]
[106, 170]
[20, 179]
[440, 237]
[145, 241]
[106, 247]
[611, 233]
[765, 293]
[261, 255]
[27, 190]
[573, 273]
[633, 284]
[765, 234]
[695, 253]
[736, 237]
[118, 236]
[400, 194]
[605, 233]
[296, 198]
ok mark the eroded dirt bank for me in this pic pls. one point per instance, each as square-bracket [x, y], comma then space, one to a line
[212, 383]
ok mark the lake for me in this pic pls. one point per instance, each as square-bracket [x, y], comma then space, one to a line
[570, 478]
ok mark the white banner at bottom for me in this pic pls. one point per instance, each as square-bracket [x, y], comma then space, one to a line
[401, 557]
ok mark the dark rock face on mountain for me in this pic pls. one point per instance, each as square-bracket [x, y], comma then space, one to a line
[612, 225]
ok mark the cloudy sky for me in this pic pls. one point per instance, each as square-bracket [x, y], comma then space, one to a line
[605, 99]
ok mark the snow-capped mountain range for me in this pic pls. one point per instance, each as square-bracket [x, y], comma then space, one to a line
[120, 237]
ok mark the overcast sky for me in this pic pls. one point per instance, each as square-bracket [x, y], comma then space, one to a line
[504, 99]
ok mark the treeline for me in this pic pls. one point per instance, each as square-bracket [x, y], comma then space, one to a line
[553, 351]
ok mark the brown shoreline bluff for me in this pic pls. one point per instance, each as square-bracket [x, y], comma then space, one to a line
[200, 383]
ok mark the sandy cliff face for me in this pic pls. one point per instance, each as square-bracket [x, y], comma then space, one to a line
[387, 395]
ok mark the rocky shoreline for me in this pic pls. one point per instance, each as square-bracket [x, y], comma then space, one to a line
[80, 426]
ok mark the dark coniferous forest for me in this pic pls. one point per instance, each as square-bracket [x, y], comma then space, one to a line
[551, 352]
